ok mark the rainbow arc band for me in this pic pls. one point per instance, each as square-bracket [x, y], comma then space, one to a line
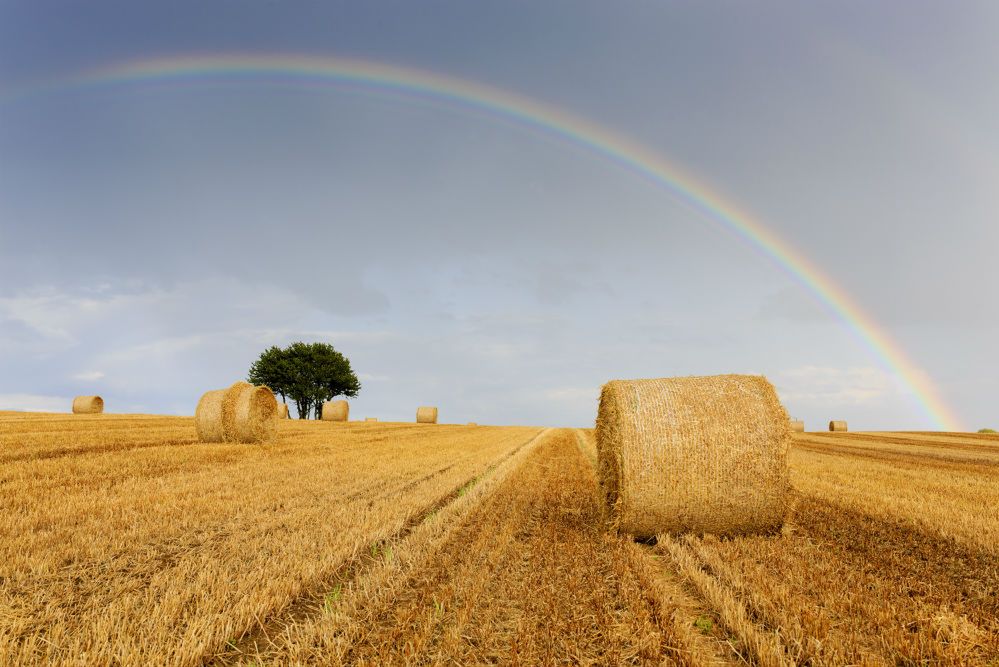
[549, 121]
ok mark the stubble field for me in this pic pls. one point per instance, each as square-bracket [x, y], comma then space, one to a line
[124, 541]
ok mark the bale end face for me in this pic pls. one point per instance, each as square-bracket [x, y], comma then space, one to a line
[693, 454]
[208, 416]
[88, 405]
[426, 415]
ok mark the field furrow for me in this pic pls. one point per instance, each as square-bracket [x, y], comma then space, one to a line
[921, 446]
[165, 566]
[123, 541]
[943, 437]
[842, 587]
[959, 502]
[911, 457]
[528, 576]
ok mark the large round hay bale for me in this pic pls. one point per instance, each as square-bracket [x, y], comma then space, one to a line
[426, 415]
[241, 413]
[693, 454]
[249, 413]
[282, 412]
[208, 416]
[88, 405]
[837, 426]
[336, 411]
[798, 426]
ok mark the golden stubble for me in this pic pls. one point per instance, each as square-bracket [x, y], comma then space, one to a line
[161, 554]
[125, 540]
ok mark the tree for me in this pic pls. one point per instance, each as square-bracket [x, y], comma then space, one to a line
[271, 370]
[308, 373]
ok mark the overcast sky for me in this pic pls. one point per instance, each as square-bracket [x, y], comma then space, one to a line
[155, 238]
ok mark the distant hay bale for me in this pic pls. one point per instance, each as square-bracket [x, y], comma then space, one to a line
[241, 413]
[88, 405]
[837, 426]
[693, 454]
[336, 411]
[798, 426]
[426, 415]
[282, 412]
[472, 424]
[371, 419]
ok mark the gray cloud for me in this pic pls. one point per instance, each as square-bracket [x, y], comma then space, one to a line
[153, 238]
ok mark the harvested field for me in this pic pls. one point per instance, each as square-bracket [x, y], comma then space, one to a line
[160, 554]
[886, 561]
[124, 541]
[524, 573]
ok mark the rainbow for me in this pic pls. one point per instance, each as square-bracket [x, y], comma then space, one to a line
[553, 123]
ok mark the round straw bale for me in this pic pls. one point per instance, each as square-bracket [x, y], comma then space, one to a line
[837, 426]
[88, 405]
[798, 426]
[336, 411]
[249, 413]
[208, 416]
[282, 412]
[693, 454]
[426, 415]
[241, 413]
[472, 424]
[371, 419]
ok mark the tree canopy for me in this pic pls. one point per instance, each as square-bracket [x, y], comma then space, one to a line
[308, 373]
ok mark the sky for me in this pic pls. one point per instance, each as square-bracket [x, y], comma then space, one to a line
[157, 234]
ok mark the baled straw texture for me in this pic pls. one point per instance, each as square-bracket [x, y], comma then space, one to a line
[249, 412]
[282, 412]
[241, 413]
[88, 405]
[336, 411]
[208, 416]
[837, 426]
[693, 454]
[426, 415]
[798, 426]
